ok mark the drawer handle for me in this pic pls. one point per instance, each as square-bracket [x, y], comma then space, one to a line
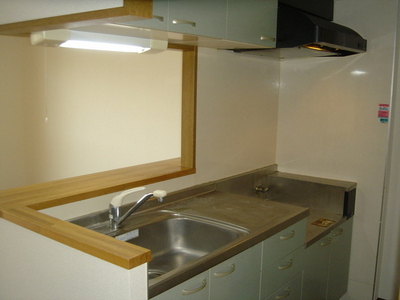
[327, 243]
[178, 21]
[218, 275]
[159, 18]
[285, 295]
[264, 38]
[287, 237]
[290, 263]
[337, 232]
[189, 292]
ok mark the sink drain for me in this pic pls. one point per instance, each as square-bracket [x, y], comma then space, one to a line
[151, 274]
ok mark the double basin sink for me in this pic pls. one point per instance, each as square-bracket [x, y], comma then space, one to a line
[176, 240]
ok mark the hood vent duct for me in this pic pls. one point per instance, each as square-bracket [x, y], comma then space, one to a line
[300, 34]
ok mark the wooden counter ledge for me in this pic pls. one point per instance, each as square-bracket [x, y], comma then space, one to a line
[21, 205]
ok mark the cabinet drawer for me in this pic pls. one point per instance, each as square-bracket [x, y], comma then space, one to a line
[237, 278]
[290, 291]
[195, 288]
[281, 272]
[283, 243]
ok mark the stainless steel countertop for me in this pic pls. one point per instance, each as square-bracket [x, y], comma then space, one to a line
[263, 218]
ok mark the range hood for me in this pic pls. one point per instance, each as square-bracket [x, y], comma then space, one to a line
[300, 34]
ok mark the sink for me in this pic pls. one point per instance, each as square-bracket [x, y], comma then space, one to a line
[179, 240]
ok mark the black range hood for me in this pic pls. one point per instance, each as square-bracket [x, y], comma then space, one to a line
[300, 34]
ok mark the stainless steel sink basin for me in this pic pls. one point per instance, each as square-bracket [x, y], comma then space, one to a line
[179, 240]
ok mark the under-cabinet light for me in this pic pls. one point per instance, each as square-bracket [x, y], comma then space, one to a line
[96, 41]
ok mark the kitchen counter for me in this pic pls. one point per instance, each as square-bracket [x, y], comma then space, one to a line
[262, 219]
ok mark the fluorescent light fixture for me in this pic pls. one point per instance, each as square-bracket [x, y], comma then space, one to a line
[96, 41]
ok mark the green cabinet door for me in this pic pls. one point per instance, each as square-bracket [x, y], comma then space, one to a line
[237, 278]
[339, 260]
[252, 21]
[198, 17]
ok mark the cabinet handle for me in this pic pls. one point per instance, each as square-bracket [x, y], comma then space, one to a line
[217, 274]
[286, 266]
[159, 18]
[178, 21]
[285, 295]
[287, 237]
[337, 232]
[327, 243]
[264, 38]
[189, 292]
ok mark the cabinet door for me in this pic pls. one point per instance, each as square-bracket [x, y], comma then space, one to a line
[237, 278]
[252, 21]
[316, 268]
[339, 260]
[160, 17]
[196, 288]
[199, 17]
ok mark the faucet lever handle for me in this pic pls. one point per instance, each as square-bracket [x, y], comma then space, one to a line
[117, 200]
[160, 194]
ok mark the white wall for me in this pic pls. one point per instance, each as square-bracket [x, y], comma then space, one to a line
[237, 110]
[35, 267]
[328, 124]
[90, 111]
[12, 81]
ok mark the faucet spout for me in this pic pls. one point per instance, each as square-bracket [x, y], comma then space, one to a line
[116, 202]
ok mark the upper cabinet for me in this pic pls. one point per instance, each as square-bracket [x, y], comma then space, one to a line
[193, 17]
[198, 17]
[252, 21]
[215, 23]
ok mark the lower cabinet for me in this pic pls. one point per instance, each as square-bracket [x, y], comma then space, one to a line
[237, 278]
[326, 265]
[278, 268]
[339, 261]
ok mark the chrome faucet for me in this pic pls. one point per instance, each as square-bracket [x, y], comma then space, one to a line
[116, 202]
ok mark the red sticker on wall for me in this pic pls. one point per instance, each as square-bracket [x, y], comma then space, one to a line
[383, 113]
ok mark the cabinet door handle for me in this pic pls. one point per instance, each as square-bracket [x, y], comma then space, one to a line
[222, 274]
[189, 292]
[287, 237]
[264, 38]
[337, 232]
[285, 295]
[159, 18]
[179, 21]
[327, 243]
[290, 263]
